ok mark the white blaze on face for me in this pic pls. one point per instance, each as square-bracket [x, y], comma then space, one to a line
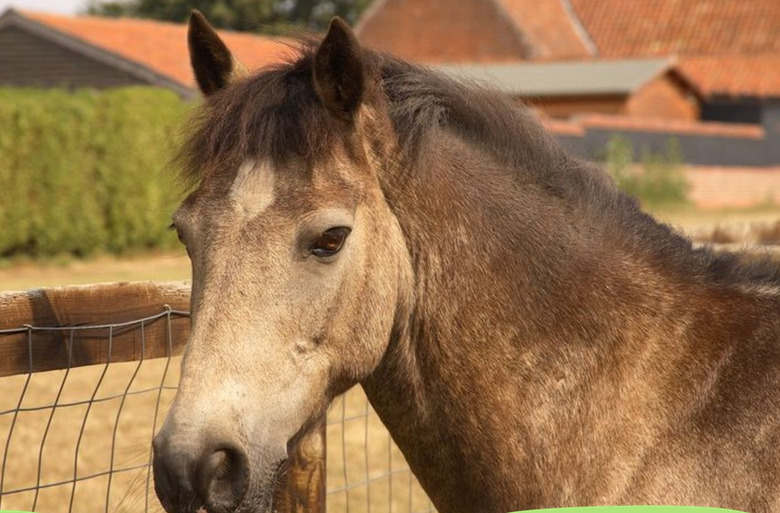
[253, 188]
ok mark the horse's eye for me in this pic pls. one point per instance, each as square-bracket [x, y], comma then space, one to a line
[179, 235]
[330, 242]
[175, 228]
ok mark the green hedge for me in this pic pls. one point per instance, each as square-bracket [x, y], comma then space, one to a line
[85, 171]
[658, 182]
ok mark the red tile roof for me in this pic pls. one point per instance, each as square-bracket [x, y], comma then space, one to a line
[643, 28]
[733, 75]
[570, 29]
[442, 31]
[711, 36]
[725, 47]
[160, 46]
[548, 28]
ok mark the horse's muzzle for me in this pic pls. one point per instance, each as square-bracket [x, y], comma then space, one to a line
[188, 479]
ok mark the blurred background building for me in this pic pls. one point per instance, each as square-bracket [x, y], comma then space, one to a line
[703, 73]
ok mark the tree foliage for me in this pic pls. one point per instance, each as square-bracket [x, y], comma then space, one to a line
[270, 16]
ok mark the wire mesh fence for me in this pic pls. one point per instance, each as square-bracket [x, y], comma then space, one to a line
[366, 471]
[78, 438]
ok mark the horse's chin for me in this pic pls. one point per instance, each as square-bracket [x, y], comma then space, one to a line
[260, 504]
[260, 499]
[255, 503]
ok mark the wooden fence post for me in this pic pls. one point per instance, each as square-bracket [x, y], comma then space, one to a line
[303, 488]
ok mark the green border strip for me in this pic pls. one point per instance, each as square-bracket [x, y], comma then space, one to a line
[599, 509]
[634, 509]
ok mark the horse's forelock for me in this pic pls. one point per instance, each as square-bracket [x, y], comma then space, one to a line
[274, 115]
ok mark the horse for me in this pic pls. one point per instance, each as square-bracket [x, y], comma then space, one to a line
[528, 335]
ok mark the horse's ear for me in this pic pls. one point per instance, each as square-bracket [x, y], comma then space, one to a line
[339, 74]
[213, 64]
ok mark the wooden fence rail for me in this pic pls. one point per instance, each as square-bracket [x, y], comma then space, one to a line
[37, 330]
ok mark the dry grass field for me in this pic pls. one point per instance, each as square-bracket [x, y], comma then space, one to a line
[359, 449]
[57, 459]
[157, 267]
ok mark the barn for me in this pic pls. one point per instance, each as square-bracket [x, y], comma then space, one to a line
[46, 50]
[724, 55]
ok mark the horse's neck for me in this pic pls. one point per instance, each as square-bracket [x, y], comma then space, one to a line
[515, 324]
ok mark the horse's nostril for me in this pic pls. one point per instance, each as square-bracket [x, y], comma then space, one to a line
[223, 478]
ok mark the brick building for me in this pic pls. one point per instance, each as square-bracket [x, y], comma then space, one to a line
[563, 89]
[725, 54]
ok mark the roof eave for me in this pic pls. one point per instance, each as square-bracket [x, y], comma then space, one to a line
[484, 74]
[12, 17]
[574, 94]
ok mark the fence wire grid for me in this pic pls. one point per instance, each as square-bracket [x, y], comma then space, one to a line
[79, 439]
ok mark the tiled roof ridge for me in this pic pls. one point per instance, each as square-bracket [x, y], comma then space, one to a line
[579, 28]
[369, 13]
[528, 48]
[549, 27]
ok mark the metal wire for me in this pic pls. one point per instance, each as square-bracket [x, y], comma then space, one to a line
[16, 414]
[119, 412]
[86, 401]
[51, 417]
[169, 352]
[346, 494]
[364, 485]
[72, 335]
[344, 448]
[78, 479]
[86, 416]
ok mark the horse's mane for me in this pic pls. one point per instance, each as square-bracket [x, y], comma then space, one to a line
[276, 114]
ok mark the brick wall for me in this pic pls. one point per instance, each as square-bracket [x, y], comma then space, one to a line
[663, 97]
[722, 187]
[564, 107]
[457, 31]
